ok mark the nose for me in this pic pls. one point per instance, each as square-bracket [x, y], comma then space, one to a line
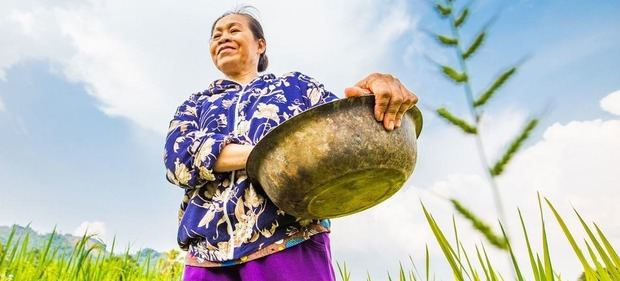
[223, 38]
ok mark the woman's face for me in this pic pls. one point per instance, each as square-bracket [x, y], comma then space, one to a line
[233, 48]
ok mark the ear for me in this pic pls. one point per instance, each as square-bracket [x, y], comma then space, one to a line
[262, 46]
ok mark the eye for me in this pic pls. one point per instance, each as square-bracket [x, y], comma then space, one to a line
[216, 36]
[235, 30]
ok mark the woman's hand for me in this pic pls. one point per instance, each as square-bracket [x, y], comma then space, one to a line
[392, 99]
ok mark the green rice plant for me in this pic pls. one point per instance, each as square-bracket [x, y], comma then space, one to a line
[86, 261]
[601, 263]
[456, 16]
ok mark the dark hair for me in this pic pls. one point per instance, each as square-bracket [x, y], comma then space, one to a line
[255, 27]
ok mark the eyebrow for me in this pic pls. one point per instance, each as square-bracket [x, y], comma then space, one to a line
[227, 26]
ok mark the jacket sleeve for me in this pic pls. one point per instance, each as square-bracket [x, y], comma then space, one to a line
[190, 152]
[313, 92]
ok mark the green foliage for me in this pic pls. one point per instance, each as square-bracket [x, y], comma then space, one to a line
[86, 261]
[467, 128]
[443, 10]
[604, 264]
[482, 227]
[499, 81]
[448, 41]
[475, 45]
[344, 273]
[499, 167]
[590, 273]
[512, 255]
[445, 246]
[612, 269]
[457, 77]
[461, 18]
[462, 76]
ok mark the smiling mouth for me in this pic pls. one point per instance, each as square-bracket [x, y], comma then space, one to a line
[225, 48]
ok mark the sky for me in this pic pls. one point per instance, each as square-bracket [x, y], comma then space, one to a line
[87, 89]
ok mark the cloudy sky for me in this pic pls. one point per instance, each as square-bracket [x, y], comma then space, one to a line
[87, 89]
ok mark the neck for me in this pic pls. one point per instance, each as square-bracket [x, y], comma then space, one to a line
[243, 77]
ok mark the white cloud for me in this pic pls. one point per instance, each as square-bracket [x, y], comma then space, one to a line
[2, 107]
[96, 228]
[140, 66]
[611, 103]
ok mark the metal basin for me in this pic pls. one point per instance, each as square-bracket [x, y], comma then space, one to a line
[335, 159]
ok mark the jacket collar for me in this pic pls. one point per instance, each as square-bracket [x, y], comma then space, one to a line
[224, 85]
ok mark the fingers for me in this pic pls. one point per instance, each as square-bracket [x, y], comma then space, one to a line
[413, 97]
[406, 105]
[382, 92]
[396, 100]
[356, 91]
[392, 99]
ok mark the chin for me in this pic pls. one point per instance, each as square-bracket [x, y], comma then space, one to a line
[229, 66]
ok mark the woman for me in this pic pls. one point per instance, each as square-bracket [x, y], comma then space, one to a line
[231, 230]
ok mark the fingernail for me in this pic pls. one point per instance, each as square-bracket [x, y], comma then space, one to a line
[391, 125]
[398, 123]
[379, 116]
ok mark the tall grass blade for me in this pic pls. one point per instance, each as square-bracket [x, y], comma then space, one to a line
[415, 273]
[344, 274]
[600, 270]
[608, 246]
[401, 273]
[456, 238]
[586, 267]
[512, 255]
[427, 262]
[483, 264]
[541, 268]
[472, 271]
[611, 267]
[8, 244]
[529, 249]
[444, 245]
[489, 265]
[44, 254]
[546, 255]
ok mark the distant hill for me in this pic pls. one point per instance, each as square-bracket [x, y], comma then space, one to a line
[66, 242]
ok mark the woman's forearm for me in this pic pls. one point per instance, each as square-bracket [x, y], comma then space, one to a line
[233, 157]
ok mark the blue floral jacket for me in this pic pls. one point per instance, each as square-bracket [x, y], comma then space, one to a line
[224, 219]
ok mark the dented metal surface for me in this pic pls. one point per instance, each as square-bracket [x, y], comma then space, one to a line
[335, 159]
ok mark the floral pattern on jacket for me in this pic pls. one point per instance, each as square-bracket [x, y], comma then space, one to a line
[223, 218]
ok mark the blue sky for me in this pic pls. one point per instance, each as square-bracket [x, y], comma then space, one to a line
[87, 91]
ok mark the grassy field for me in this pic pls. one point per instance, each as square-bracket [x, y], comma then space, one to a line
[89, 261]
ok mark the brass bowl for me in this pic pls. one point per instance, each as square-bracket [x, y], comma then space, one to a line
[335, 159]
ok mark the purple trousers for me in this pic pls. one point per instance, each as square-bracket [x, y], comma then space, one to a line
[309, 260]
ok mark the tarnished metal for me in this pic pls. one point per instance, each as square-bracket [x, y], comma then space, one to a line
[335, 159]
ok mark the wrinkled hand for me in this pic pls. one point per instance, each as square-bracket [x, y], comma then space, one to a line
[392, 99]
